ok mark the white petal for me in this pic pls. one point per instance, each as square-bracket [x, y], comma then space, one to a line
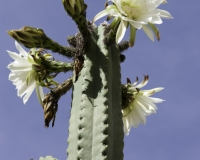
[148, 32]
[141, 114]
[121, 31]
[18, 68]
[17, 57]
[136, 25]
[165, 14]
[157, 100]
[18, 76]
[133, 118]
[40, 93]
[103, 13]
[22, 89]
[151, 91]
[126, 126]
[29, 92]
[20, 49]
[118, 4]
[156, 20]
[147, 100]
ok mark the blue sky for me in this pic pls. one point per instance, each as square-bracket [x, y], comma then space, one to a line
[172, 133]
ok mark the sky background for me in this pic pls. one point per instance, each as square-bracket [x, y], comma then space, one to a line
[173, 133]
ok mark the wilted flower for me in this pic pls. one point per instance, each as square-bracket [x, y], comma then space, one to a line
[22, 75]
[137, 104]
[137, 14]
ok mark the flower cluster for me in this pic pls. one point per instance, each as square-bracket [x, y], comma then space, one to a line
[22, 75]
[137, 14]
[137, 104]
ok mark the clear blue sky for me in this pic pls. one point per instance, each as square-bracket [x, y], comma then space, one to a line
[173, 133]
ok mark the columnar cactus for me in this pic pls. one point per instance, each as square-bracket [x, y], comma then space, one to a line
[102, 108]
[96, 129]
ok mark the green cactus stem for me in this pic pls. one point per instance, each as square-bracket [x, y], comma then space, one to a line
[96, 128]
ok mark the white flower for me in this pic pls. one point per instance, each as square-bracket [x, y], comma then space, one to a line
[140, 104]
[22, 75]
[137, 14]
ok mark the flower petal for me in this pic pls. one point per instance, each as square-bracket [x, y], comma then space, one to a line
[29, 92]
[140, 104]
[40, 93]
[121, 31]
[138, 13]
[20, 69]
[103, 13]
[165, 14]
[17, 57]
[20, 49]
[148, 32]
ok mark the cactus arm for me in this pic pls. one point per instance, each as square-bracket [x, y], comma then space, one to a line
[96, 131]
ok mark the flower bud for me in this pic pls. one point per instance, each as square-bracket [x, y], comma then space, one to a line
[73, 7]
[28, 36]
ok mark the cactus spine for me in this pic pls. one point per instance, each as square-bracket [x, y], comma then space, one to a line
[96, 128]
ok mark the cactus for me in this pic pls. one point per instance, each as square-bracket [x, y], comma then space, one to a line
[96, 129]
[98, 97]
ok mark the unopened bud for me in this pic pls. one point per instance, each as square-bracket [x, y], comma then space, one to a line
[32, 37]
[74, 7]
[28, 36]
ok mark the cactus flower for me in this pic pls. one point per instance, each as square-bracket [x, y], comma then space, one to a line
[140, 104]
[22, 75]
[137, 14]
